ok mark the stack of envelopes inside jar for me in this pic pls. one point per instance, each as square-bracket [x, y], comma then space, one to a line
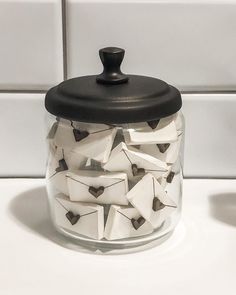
[114, 170]
[111, 181]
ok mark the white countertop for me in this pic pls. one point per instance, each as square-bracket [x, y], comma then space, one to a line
[199, 258]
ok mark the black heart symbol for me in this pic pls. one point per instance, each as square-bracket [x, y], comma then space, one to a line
[72, 217]
[137, 171]
[138, 222]
[170, 177]
[153, 124]
[163, 147]
[79, 135]
[62, 166]
[96, 192]
[157, 204]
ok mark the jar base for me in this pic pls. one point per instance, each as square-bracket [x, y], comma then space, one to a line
[123, 246]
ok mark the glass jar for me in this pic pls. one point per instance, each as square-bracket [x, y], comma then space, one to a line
[113, 183]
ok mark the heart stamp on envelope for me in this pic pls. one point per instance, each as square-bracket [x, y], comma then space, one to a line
[137, 171]
[157, 204]
[73, 218]
[96, 192]
[79, 135]
[153, 124]
[163, 147]
[170, 177]
[137, 223]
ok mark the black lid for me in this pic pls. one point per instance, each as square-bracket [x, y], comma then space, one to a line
[113, 97]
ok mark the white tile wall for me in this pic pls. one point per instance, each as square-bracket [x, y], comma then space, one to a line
[188, 43]
[210, 143]
[22, 132]
[31, 54]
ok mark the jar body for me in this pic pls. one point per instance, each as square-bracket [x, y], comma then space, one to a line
[114, 186]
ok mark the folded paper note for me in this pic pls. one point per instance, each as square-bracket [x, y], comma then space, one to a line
[73, 160]
[134, 163]
[163, 179]
[90, 140]
[151, 201]
[56, 173]
[178, 121]
[52, 131]
[125, 222]
[81, 218]
[98, 187]
[166, 152]
[162, 131]
[60, 162]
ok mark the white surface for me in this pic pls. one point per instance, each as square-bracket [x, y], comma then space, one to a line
[210, 142]
[199, 258]
[189, 44]
[31, 44]
[22, 129]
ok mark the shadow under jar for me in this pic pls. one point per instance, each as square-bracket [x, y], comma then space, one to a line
[114, 174]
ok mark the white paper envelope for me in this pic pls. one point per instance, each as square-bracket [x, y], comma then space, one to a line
[58, 182]
[125, 222]
[178, 121]
[73, 160]
[52, 148]
[98, 187]
[81, 218]
[134, 163]
[173, 189]
[151, 201]
[142, 133]
[90, 140]
[56, 173]
[52, 131]
[60, 162]
[97, 146]
[166, 152]
[163, 179]
[63, 136]
[93, 165]
[50, 138]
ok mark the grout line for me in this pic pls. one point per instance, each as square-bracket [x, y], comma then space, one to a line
[211, 177]
[64, 38]
[185, 177]
[22, 177]
[22, 91]
[209, 92]
[65, 77]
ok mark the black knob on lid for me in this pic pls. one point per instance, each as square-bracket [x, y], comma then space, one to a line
[112, 97]
[111, 58]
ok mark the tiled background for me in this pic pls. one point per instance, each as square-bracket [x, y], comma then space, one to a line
[190, 44]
